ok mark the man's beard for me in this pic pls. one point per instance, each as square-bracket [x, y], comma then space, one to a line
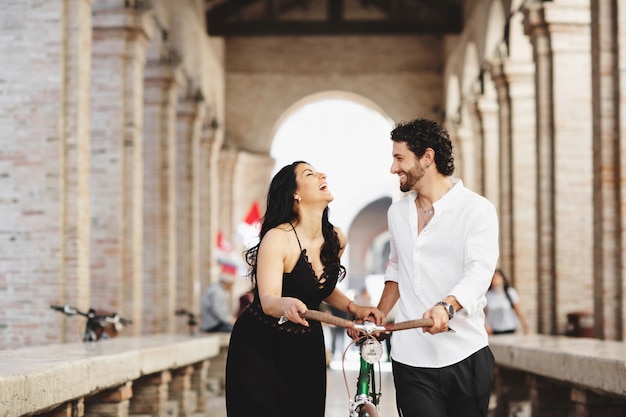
[412, 177]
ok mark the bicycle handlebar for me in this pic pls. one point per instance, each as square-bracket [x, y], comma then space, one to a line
[367, 327]
[91, 314]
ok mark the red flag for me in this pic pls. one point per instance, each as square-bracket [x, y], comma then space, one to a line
[248, 230]
[254, 215]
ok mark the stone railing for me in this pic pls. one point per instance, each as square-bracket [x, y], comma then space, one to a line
[541, 376]
[150, 375]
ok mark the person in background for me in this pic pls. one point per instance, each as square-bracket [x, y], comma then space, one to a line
[275, 357]
[443, 251]
[215, 313]
[504, 312]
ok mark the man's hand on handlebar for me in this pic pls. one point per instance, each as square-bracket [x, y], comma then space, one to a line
[367, 313]
[372, 314]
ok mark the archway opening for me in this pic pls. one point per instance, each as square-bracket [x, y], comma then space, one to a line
[346, 137]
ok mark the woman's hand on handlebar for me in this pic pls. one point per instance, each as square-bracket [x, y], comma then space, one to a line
[292, 310]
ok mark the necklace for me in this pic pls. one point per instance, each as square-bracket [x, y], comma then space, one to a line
[430, 213]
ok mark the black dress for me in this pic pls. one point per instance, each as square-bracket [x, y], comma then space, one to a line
[277, 370]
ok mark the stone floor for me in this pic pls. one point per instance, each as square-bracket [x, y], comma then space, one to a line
[337, 399]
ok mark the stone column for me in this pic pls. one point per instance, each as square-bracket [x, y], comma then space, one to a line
[621, 19]
[472, 128]
[120, 37]
[188, 124]
[488, 112]
[75, 157]
[560, 35]
[253, 173]
[208, 200]
[606, 143]
[227, 159]
[162, 82]
[505, 213]
[465, 151]
[200, 151]
[514, 76]
[520, 74]
[621, 178]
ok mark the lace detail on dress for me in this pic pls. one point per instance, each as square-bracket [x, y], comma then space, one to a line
[321, 281]
[287, 327]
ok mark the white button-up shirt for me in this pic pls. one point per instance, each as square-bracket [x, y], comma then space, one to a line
[455, 254]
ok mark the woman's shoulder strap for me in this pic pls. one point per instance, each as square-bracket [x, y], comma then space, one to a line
[296, 233]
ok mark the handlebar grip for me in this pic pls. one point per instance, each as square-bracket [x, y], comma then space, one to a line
[410, 324]
[328, 318]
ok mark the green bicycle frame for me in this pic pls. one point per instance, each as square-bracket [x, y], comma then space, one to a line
[366, 384]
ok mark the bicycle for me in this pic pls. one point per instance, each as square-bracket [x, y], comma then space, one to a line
[98, 326]
[367, 397]
[192, 323]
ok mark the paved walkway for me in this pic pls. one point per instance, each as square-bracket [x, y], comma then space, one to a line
[337, 399]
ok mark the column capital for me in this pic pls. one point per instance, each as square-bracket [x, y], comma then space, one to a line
[133, 22]
[156, 72]
[557, 16]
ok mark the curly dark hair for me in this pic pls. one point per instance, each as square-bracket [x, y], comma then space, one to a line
[420, 134]
[279, 210]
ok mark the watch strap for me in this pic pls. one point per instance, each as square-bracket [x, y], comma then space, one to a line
[448, 307]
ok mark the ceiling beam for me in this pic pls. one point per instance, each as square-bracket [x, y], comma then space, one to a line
[224, 19]
[302, 28]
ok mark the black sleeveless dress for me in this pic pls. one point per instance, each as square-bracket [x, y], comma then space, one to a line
[277, 370]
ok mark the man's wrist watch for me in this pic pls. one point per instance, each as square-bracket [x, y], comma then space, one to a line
[448, 307]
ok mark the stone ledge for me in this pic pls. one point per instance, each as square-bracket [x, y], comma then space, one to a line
[40, 377]
[591, 363]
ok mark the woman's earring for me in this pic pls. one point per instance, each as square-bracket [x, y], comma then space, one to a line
[298, 199]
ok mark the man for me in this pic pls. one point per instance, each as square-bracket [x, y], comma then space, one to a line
[443, 252]
[215, 315]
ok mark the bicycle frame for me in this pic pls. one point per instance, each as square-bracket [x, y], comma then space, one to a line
[366, 399]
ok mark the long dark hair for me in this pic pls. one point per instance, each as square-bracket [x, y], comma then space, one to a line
[279, 210]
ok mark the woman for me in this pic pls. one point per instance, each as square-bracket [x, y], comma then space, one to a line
[276, 364]
[503, 312]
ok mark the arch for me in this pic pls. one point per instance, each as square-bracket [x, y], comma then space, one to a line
[357, 162]
[453, 99]
[494, 34]
[327, 95]
[471, 69]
